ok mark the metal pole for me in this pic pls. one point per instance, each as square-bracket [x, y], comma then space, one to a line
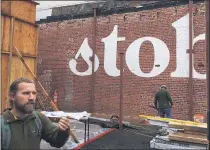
[190, 60]
[93, 60]
[121, 87]
[208, 70]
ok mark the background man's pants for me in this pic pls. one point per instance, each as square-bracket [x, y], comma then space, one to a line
[166, 111]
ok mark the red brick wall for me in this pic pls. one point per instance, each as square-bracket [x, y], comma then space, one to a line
[60, 41]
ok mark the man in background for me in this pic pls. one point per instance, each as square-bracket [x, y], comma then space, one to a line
[163, 102]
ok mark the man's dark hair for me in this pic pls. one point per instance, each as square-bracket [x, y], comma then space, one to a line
[14, 86]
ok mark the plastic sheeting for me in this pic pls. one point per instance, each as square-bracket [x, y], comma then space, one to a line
[57, 114]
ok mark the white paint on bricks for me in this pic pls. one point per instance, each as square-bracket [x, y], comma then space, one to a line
[110, 52]
[182, 45]
[195, 73]
[161, 54]
[86, 52]
[161, 57]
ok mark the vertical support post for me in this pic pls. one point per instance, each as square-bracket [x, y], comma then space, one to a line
[2, 37]
[190, 60]
[37, 37]
[88, 130]
[93, 61]
[121, 87]
[207, 5]
[10, 59]
[85, 122]
[2, 31]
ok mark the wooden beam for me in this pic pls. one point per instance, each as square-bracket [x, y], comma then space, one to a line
[191, 138]
[10, 59]
[33, 24]
[192, 128]
[2, 31]
[34, 76]
[43, 90]
[37, 39]
[2, 37]
[14, 54]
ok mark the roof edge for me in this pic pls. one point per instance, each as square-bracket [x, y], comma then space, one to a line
[121, 10]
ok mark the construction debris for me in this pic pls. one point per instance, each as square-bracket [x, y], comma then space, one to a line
[178, 134]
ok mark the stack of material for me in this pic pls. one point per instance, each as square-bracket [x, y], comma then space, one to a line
[185, 131]
[163, 142]
[194, 133]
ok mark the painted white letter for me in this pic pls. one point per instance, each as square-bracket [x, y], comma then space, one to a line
[195, 73]
[161, 57]
[182, 45]
[110, 53]
[86, 52]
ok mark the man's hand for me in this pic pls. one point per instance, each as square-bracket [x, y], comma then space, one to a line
[64, 123]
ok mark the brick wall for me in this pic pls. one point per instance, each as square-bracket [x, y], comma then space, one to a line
[60, 41]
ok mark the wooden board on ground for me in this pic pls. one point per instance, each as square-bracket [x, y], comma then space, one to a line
[188, 138]
[195, 133]
[168, 120]
[200, 128]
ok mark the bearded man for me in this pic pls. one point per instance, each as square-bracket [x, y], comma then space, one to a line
[22, 127]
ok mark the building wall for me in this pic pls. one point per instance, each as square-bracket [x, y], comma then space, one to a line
[155, 44]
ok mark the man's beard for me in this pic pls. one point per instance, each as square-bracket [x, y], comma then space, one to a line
[26, 108]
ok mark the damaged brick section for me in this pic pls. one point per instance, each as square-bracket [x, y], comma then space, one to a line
[61, 37]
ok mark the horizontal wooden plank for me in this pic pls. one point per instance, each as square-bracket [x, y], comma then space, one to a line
[199, 139]
[7, 15]
[187, 127]
[24, 55]
[24, 10]
[4, 78]
[195, 133]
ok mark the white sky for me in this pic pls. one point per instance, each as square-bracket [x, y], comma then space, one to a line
[44, 8]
